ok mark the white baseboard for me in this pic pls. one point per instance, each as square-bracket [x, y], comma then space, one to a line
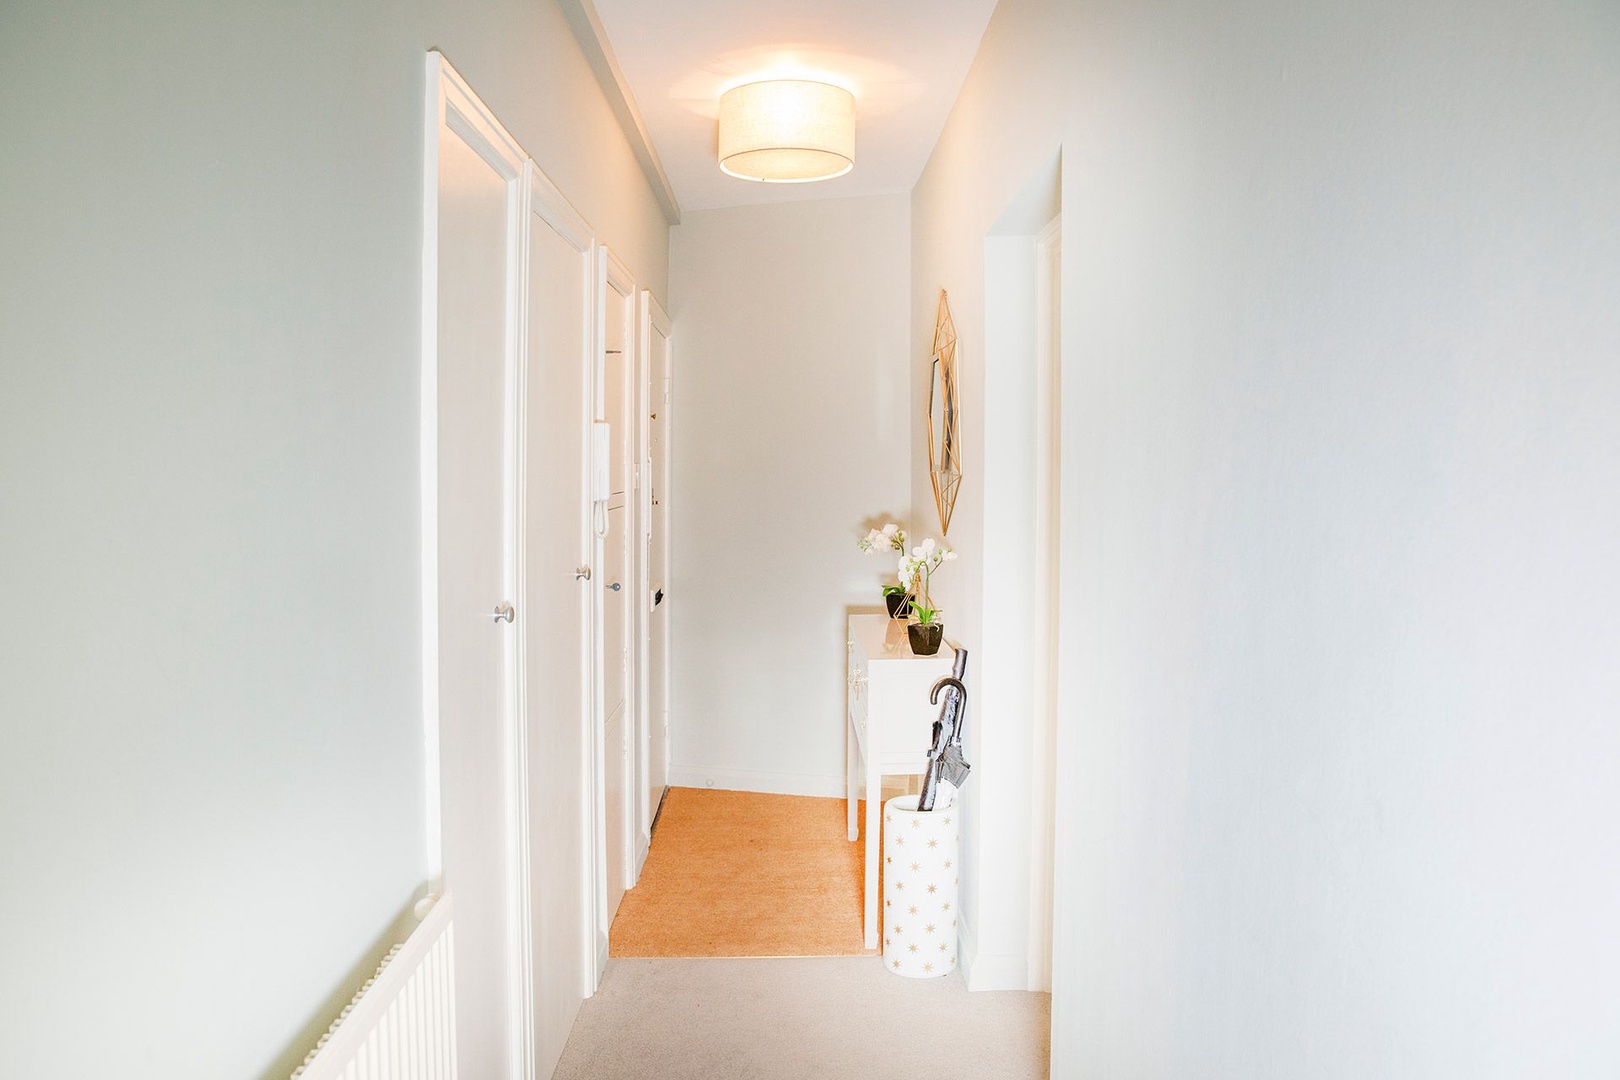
[768, 783]
[989, 971]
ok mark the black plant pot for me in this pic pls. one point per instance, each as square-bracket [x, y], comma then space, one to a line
[899, 605]
[925, 640]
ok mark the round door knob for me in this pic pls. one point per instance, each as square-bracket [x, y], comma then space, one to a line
[615, 586]
[582, 573]
[504, 613]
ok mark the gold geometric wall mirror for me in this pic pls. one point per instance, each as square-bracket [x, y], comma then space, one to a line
[944, 440]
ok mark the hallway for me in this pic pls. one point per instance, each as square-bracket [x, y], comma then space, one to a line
[825, 1018]
[432, 432]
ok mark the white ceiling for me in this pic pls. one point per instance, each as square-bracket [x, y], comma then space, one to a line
[904, 59]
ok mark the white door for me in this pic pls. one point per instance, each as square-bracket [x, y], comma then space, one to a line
[556, 612]
[655, 503]
[473, 221]
[617, 584]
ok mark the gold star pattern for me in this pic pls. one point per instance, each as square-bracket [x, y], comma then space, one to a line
[933, 843]
[946, 906]
[933, 888]
[947, 864]
[898, 930]
[941, 946]
[912, 948]
[915, 824]
[929, 929]
[947, 821]
[899, 840]
[887, 858]
[897, 965]
[912, 910]
[899, 885]
[928, 967]
[916, 867]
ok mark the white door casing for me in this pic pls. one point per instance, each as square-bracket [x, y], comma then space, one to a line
[472, 273]
[559, 347]
[655, 383]
[1044, 612]
[615, 517]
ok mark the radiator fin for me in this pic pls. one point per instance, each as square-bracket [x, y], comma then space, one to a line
[401, 1025]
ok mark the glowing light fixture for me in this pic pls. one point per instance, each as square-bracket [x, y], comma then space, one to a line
[787, 131]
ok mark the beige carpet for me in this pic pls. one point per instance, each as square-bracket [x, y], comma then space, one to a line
[821, 1017]
[734, 873]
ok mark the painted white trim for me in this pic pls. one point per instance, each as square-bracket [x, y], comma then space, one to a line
[595, 937]
[593, 42]
[612, 273]
[1044, 611]
[988, 971]
[516, 533]
[643, 604]
[821, 785]
[652, 319]
[453, 105]
[547, 202]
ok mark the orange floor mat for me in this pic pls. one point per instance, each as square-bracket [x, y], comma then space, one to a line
[735, 873]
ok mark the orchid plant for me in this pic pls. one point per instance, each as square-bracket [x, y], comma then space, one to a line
[889, 538]
[917, 569]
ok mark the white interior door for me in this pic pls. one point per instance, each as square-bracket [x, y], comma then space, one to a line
[473, 223]
[557, 655]
[656, 384]
[617, 582]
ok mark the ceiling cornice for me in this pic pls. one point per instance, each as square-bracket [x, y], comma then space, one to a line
[593, 39]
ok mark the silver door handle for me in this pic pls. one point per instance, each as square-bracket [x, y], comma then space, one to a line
[615, 586]
[582, 573]
[504, 613]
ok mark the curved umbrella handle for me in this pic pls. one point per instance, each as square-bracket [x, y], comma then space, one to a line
[933, 695]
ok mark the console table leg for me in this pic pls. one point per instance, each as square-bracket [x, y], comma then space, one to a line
[852, 782]
[874, 849]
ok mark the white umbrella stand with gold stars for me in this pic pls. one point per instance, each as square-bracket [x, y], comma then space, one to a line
[921, 858]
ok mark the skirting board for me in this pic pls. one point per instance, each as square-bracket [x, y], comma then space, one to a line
[766, 783]
[989, 971]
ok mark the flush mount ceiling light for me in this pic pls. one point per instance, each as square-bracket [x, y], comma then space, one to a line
[787, 131]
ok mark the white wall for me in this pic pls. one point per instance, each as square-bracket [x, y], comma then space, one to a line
[211, 794]
[1340, 602]
[790, 432]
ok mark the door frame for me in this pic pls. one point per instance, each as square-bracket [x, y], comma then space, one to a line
[546, 201]
[451, 102]
[611, 273]
[653, 317]
[1045, 611]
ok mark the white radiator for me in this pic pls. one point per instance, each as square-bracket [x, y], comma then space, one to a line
[402, 1023]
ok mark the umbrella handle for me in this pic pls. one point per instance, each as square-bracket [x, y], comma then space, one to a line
[933, 695]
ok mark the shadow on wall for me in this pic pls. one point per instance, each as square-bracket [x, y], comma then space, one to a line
[364, 967]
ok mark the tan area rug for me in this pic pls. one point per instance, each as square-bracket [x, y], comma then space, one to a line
[733, 873]
[819, 1018]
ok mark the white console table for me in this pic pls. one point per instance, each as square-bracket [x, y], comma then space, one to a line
[891, 724]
